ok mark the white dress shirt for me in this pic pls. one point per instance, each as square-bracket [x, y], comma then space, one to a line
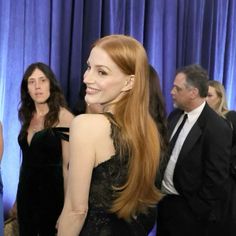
[167, 182]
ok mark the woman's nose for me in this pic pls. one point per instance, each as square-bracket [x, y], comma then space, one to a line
[37, 84]
[88, 77]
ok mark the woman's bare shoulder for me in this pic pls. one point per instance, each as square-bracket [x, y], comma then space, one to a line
[65, 117]
[95, 123]
[93, 130]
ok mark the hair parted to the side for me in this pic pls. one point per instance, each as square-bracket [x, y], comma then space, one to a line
[222, 107]
[139, 135]
[27, 106]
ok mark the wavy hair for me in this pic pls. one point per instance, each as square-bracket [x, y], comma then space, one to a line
[222, 107]
[138, 132]
[27, 106]
[157, 106]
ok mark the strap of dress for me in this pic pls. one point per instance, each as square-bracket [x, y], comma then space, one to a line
[62, 132]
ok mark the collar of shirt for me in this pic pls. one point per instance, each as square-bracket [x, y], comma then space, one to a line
[194, 114]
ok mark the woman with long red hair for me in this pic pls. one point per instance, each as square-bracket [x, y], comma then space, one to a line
[114, 156]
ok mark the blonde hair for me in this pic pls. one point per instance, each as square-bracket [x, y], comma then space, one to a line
[139, 135]
[222, 107]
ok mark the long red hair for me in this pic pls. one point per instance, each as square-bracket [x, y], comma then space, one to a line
[139, 134]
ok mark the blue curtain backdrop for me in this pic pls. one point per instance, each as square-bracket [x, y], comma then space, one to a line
[60, 32]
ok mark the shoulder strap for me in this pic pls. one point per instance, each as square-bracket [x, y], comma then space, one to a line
[62, 132]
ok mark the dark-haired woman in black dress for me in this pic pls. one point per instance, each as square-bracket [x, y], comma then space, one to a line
[45, 121]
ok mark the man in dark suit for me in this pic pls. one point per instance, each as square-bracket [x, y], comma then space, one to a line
[196, 168]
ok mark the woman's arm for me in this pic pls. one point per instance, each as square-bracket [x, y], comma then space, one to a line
[66, 118]
[65, 154]
[13, 211]
[1, 142]
[82, 160]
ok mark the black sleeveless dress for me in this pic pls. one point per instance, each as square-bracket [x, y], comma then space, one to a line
[227, 225]
[99, 220]
[40, 193]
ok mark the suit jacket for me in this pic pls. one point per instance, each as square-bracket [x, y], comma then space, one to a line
[202, 167]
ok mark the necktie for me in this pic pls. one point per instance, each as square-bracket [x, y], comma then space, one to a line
[174, 138]
[166, 158]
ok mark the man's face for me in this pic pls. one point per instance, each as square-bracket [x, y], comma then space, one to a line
[181, 92]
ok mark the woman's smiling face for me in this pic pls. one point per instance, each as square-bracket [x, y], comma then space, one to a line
[105, 81]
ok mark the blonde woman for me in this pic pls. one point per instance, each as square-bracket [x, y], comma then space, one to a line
[114, 156]
[216, 99]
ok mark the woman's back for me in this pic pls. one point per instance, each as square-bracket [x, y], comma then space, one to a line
[107, 175]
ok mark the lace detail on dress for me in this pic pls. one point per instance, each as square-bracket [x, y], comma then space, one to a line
[115, 131]
[105, 178]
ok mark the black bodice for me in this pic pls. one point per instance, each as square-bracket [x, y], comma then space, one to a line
[40, 194]
[105, 177]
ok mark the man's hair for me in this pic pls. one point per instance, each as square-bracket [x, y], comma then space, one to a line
[197, 77]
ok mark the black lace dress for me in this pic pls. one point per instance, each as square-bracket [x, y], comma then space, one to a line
[40, 193]
[99, 221]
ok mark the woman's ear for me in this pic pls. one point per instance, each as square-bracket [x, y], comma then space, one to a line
[129, 83]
